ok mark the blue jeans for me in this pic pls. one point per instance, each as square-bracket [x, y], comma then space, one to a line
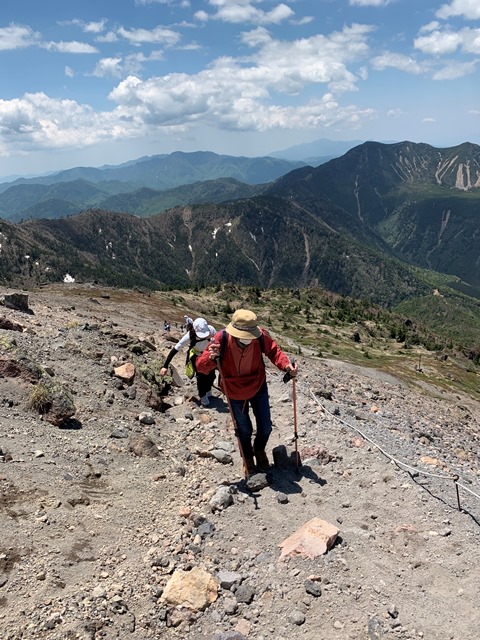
[261, 410]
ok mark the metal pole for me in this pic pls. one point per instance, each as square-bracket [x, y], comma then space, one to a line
[455, 479]
[295, 434]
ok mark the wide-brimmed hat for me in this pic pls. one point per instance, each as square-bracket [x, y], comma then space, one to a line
[244, 325]
[201, 328]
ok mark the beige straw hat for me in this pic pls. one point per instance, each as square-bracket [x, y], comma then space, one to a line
[244, 325]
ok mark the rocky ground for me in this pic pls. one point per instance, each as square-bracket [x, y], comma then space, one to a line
[104, 514]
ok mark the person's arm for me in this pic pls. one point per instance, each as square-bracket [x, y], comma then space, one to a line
[169, 358]
[207, 361]
[277, 356]
[173, 352]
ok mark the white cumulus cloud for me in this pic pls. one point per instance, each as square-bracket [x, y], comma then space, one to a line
[453, 70]
[369, 3]
[70, 47]
[17, 36]
[397, 61]
[158, 35]
[469, 9]
[238, 11]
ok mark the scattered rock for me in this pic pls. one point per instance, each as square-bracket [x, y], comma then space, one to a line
[245, 594]
[313, 588]
[221, 456]
[227, 579]
[17, 301]
[143, 446]
[146, 418]
[296, 617]
[221, 499]
[313, 539]
[257, 482]
[125, 372]
[195, 589]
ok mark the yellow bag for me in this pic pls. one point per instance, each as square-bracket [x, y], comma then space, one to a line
[189, 368]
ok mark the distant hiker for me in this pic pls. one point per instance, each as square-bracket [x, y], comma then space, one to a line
[188, 323]
[238, 349]
[197, 340]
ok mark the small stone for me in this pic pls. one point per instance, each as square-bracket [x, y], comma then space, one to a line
[125, 372]
[99, 592]
[119, 433]
[206, 529]
[257, 482]
[296, 617]
[227, 579]
[146, 418]
[221, 456]
[221, 500]
[313, 588]
[393, 611]
[282, 498]
[230, 606]
[245, 593]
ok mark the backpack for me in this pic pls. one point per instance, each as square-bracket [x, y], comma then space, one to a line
[191, 355]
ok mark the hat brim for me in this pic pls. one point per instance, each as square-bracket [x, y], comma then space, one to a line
[202, 334]
[251, 332]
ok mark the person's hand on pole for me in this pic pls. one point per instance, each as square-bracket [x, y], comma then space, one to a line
[292, 369]
[213, 351]
[163, 371]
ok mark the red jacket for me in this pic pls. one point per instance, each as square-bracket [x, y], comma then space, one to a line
[243, 370]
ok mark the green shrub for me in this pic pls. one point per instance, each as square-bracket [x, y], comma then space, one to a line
[40, 398]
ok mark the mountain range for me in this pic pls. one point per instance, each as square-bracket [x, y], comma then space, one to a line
[384, 222]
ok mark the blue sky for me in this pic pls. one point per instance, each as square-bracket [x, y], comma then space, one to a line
[105, 81]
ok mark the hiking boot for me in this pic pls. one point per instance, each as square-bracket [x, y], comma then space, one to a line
[262, 461]
[204, 401]
[251, 469]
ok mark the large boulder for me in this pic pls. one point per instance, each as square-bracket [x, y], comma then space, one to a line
[17, 301]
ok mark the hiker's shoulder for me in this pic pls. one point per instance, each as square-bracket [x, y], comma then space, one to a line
[265, 333]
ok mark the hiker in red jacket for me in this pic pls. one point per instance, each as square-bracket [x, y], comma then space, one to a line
[244, 382]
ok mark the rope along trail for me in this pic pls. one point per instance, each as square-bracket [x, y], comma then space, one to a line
[403, 465]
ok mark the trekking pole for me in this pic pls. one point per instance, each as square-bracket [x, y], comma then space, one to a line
[286, 378]
[235, 429]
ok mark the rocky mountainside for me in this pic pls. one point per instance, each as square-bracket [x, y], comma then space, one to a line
[355, 225]
[422, 201]
[130, 518]
[263, 242]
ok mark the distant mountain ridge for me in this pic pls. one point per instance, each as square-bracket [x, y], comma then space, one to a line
[316, 152]
[383, 222]
[83, 187]
[174, 169]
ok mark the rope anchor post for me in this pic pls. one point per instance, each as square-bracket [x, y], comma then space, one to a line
[455, 480]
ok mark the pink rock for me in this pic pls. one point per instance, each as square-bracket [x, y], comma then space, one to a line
[313, 539]
[125, 372]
